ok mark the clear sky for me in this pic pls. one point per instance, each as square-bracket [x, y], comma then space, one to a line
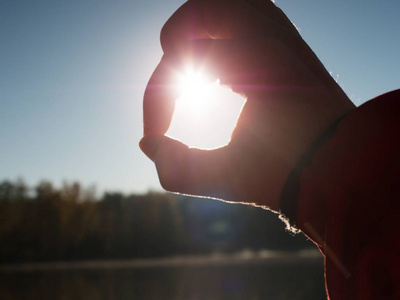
[73, 73]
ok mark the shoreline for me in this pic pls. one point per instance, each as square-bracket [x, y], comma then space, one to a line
[214, 259]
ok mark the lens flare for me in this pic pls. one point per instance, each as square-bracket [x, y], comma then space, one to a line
[205, 113]
[196, 92]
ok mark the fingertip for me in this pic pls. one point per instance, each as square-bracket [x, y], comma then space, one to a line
[150, 144]
[173, 165]
[188, 170]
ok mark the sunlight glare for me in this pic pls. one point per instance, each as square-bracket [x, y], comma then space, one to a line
[195, 91]
[205, 113]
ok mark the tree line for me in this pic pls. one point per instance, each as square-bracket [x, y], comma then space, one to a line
[48, 223]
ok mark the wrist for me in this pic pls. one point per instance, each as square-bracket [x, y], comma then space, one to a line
[289, 197]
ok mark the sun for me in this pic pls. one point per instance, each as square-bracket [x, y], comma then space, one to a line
[195, 91]
[205, 113]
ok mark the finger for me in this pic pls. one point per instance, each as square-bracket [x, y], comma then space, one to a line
[185, 24]
[150, 144]
[226, 173]
[191, 22]
[220, 19]
[237, 19]
[269, 10]
[251, 67]
[159, 99]
[189, 170]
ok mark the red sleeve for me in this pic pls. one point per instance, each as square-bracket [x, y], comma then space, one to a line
[349, 202]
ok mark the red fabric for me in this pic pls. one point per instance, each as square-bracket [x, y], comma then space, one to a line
[349, 202]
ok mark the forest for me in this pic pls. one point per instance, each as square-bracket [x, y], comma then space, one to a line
[72, 222]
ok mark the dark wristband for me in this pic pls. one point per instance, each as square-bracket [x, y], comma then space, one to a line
[291, 189]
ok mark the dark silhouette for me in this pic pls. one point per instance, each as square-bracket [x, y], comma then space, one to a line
[300, 146]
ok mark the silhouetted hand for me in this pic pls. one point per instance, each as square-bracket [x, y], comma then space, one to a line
[253, 48]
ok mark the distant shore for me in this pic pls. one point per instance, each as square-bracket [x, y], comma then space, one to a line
[214, 259]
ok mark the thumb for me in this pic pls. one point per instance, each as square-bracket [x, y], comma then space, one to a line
[189, 170]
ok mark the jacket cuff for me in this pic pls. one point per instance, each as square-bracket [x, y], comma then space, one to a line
[291, 189]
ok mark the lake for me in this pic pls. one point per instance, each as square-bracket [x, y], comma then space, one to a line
[247, 275]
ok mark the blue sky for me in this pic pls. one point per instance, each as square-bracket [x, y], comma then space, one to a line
[73, 73]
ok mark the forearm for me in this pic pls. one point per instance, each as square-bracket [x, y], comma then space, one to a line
[347, 200]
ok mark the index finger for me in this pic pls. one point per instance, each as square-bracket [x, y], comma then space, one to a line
[199, 20]
[222, 19]
[159, 100]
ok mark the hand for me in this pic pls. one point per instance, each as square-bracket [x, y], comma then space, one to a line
[253, 48]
